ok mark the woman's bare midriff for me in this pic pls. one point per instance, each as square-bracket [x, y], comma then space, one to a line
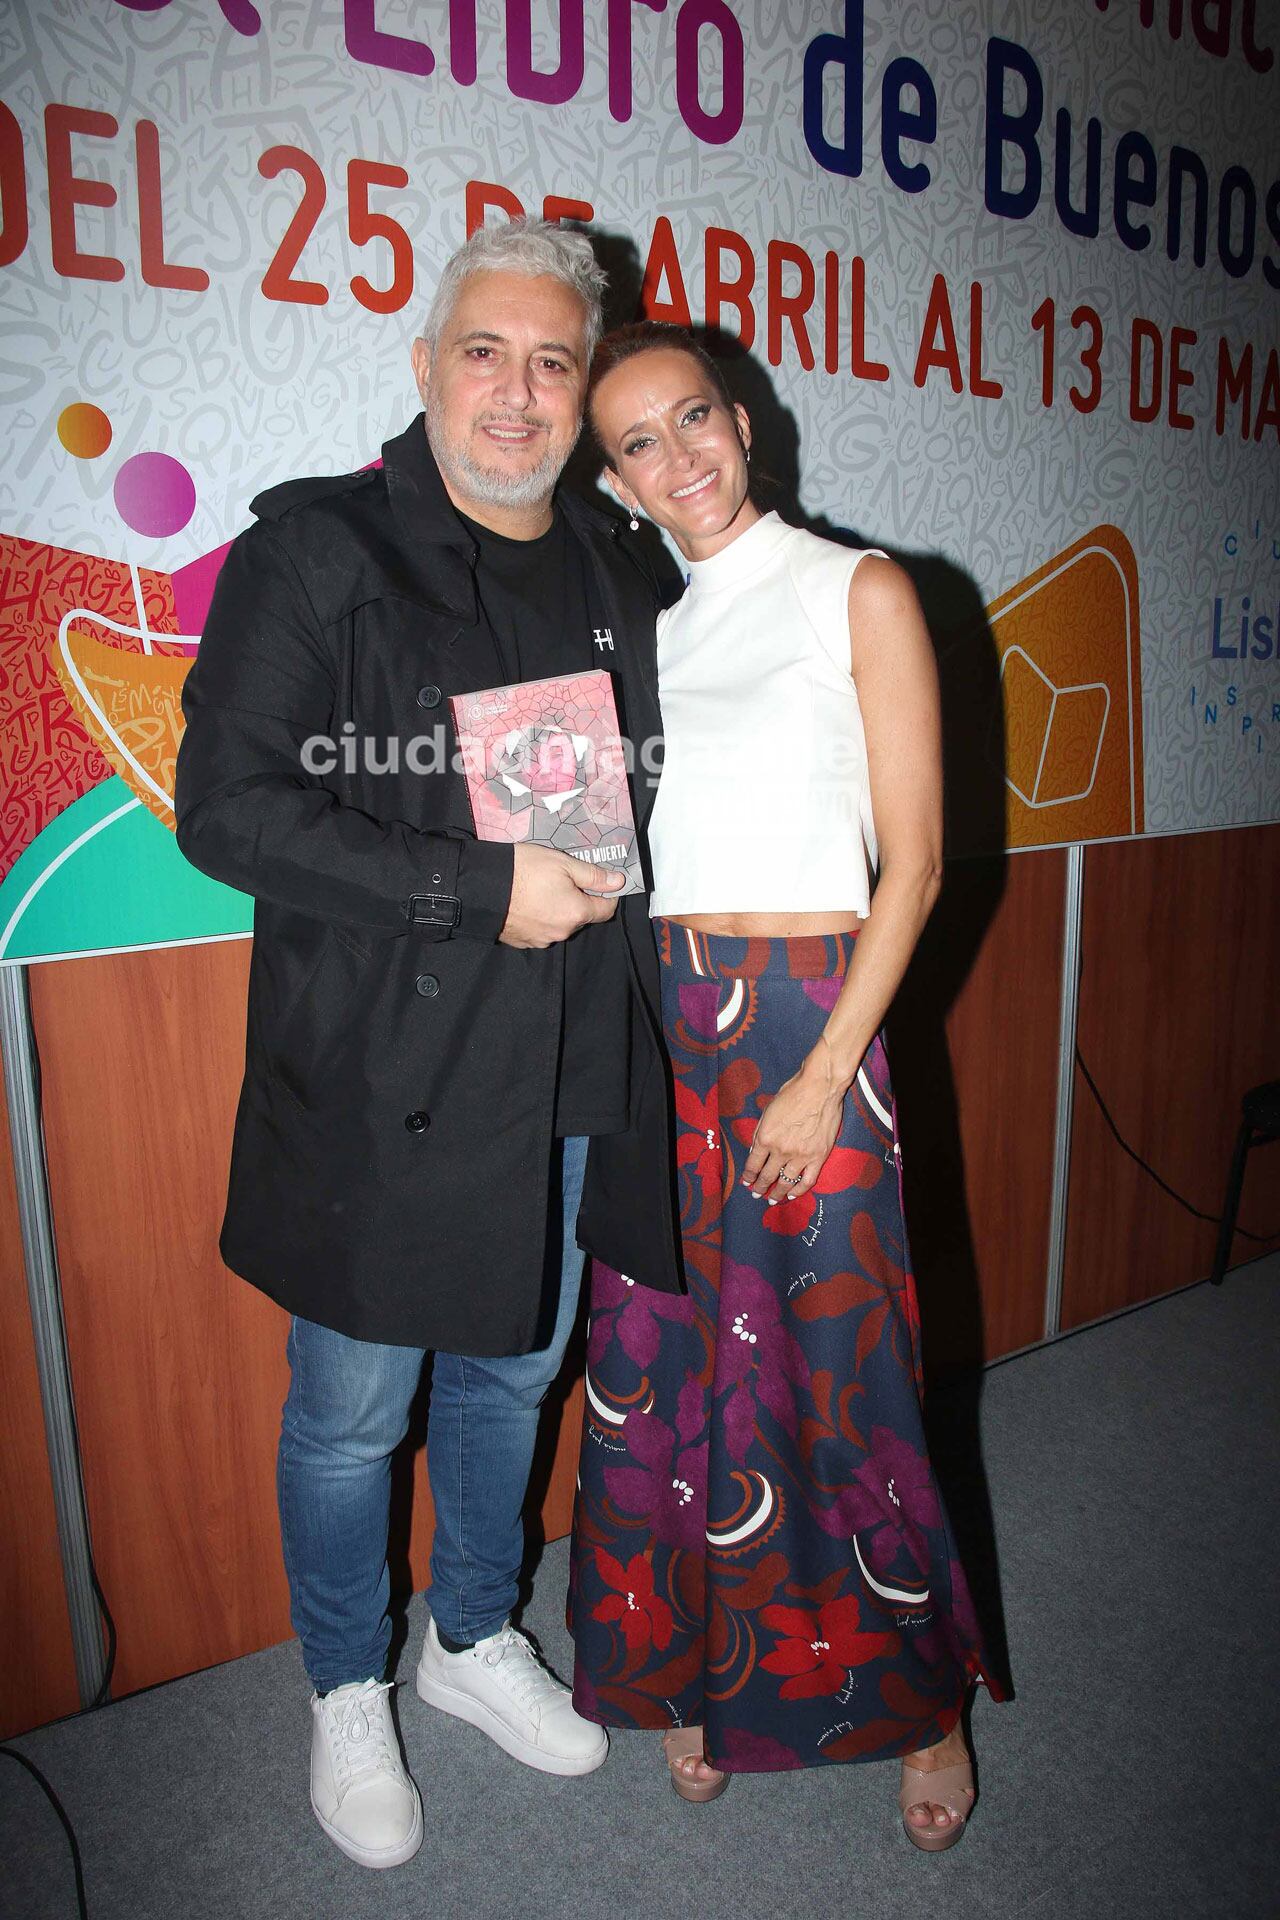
[767, 926]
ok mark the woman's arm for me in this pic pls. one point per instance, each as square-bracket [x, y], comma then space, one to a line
[897, 682]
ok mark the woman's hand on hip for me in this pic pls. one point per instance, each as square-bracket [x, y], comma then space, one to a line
[794, 1137]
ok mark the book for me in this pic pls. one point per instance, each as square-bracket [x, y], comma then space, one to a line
[545, 763]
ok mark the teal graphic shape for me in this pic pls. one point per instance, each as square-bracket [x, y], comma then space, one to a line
[107, 875]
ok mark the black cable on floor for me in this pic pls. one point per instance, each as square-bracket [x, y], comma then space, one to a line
[22, 1760]
[99, 1700]
[100, 1697]
[1213, 1219]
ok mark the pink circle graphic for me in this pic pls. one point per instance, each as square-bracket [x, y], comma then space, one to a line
[155, 494]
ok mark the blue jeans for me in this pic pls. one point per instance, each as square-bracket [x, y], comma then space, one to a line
[347, 1410]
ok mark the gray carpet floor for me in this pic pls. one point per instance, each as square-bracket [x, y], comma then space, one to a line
[1131, 1475]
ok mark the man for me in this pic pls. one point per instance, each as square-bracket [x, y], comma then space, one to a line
[452, 1052]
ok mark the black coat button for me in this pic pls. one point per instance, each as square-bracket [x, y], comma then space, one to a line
[416, 1122]
[428, 696]
[427, 985]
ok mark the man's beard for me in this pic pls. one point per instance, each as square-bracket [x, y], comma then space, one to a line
[489, 486]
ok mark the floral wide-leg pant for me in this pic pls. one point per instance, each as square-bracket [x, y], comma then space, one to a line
[759, 1542]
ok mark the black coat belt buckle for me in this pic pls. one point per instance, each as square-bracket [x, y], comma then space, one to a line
[433, 909]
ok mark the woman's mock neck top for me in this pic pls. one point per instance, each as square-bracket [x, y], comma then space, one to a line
[750, 554]
[764, 804]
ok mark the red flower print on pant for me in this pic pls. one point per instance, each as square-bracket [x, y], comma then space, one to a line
[844, 1167]
[818, 1649]
[643, 1615]
[699, 1146]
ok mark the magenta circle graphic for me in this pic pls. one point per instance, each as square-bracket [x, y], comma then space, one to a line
[155, 494]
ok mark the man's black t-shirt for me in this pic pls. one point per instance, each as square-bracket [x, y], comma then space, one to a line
[539, 599]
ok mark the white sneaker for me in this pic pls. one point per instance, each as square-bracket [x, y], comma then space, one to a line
[501, 1686]
[360, 1792]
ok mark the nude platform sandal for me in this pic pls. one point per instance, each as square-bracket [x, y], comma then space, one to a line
[680, 1745]
[945, 1786]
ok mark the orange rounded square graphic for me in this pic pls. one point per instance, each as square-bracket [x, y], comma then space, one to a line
[1068, 732]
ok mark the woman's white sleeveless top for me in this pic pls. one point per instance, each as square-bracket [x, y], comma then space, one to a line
[764, 804]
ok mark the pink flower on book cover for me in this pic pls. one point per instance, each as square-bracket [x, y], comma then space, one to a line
[546, 761]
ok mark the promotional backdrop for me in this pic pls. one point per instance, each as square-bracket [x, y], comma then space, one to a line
[998, 283]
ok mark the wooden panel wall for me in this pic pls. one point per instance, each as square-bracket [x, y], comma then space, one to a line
[1179, 1014]
[37, 1674]
[178, 1366]
[178, 1369]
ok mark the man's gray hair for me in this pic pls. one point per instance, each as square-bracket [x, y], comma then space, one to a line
[523, 246]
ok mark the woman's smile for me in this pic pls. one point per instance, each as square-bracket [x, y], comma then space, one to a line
[696, 486]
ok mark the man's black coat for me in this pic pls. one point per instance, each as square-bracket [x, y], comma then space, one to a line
[393, 1142]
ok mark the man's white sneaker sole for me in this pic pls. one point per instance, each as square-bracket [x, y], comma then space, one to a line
[464, 1706]
[375, 1856]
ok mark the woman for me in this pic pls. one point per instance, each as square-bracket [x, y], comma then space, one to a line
[761, 1561]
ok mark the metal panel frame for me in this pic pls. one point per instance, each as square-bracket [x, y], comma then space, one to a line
[1068, 1020]
[40, 1257]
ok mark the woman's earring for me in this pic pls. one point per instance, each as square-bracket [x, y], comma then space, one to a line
[635, 524]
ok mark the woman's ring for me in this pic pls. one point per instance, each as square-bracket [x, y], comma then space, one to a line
[790, 1179]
